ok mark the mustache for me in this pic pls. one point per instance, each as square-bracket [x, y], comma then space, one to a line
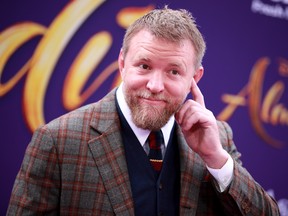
[149, 95]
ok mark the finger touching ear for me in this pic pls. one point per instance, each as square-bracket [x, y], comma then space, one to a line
[198, 74]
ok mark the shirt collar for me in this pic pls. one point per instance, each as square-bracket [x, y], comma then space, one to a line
[141, 134]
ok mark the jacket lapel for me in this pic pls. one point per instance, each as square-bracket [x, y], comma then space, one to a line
[192, 171]
[109, 155]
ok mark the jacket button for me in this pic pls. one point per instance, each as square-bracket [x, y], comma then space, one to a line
[160, 186]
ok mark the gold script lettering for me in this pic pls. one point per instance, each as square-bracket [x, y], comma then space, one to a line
[46, 55]
[270, 112]
[128, 15]
[273, 111]
[10, 40]
[89, 57]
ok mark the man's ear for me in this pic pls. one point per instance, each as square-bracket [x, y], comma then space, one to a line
[121, 63]
[198, 74]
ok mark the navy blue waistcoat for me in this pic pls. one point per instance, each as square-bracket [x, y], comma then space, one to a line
[152, 195]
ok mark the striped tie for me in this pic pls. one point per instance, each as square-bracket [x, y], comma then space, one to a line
[155, 141]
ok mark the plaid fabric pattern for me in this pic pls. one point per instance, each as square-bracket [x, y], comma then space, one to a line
[76, 165]
[155, 141]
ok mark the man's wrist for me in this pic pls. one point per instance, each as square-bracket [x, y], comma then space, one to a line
[223, 175]
[217, 160]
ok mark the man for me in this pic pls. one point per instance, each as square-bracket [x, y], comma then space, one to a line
[94, 161]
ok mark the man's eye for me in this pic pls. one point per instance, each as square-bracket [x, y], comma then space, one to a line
[174, 72]
[144, 66]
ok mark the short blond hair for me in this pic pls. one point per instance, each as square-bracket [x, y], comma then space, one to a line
[171, 25]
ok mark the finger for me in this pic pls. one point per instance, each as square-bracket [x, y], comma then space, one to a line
[194, 116]
[187, 109]
[196, 93]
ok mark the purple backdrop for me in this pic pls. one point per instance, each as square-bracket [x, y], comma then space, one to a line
[246, 71]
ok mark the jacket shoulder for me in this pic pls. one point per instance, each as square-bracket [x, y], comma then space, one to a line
[84, 115]
[226, 138]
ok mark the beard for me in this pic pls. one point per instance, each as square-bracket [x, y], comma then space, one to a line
[147, 116]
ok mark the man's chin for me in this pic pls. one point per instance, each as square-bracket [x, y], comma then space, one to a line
[151, 122]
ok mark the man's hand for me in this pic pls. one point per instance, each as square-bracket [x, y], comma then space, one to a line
[200, 129]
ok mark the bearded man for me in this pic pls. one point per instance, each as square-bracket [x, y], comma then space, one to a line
[143, 149]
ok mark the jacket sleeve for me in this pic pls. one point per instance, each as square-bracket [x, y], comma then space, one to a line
[244, 192]
[36, 188]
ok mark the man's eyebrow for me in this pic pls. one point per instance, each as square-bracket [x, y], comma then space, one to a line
[177, 65]
[143, 58]
[148, 60]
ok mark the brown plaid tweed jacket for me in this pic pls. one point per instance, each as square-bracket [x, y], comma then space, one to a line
[75, 165]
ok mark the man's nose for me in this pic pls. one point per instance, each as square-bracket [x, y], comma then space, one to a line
[156, 82]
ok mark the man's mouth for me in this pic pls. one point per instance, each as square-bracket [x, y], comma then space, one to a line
[152, 101]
